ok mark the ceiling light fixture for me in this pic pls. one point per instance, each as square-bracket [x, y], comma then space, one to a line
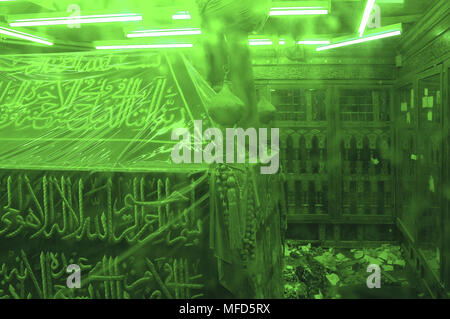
[181, 15]
[24, 36]
[294, 8]
[296, 12]
[77, 19]
[164, 33]
[366, 38]
[144, 46]
[281, 8]
[259, 42]
[366, 16]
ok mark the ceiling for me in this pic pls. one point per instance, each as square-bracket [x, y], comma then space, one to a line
[344, 19]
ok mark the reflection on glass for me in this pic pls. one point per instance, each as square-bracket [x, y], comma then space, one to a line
[429, 234]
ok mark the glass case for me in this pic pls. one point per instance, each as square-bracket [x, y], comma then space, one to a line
[406, 158]
[299, 104]
[430, 209]
[304, 131]
[366, 151]
[364, 105]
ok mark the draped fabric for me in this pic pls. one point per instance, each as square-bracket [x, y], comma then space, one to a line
[248, 16]
[94, 111]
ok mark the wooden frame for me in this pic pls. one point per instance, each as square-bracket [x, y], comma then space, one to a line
[445, 259]
[435, 283]
[318, 222]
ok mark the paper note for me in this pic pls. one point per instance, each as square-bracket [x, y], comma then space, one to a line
[425, 92]
[431, 184]
[388, 267]
[404, 107]
[414, 157]
[425, 102]
[430, 115]
[430, 101]
[333, 279]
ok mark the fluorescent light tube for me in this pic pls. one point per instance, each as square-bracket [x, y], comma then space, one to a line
[265, 41]
[360, 40]
[295, 8]
[366, 16]
[182, 15]
[288, 11]
[144, 46]
[77, 20]
[260, 42]
[164, 33]
[24, 36]
[296, 12]
[80, 17]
